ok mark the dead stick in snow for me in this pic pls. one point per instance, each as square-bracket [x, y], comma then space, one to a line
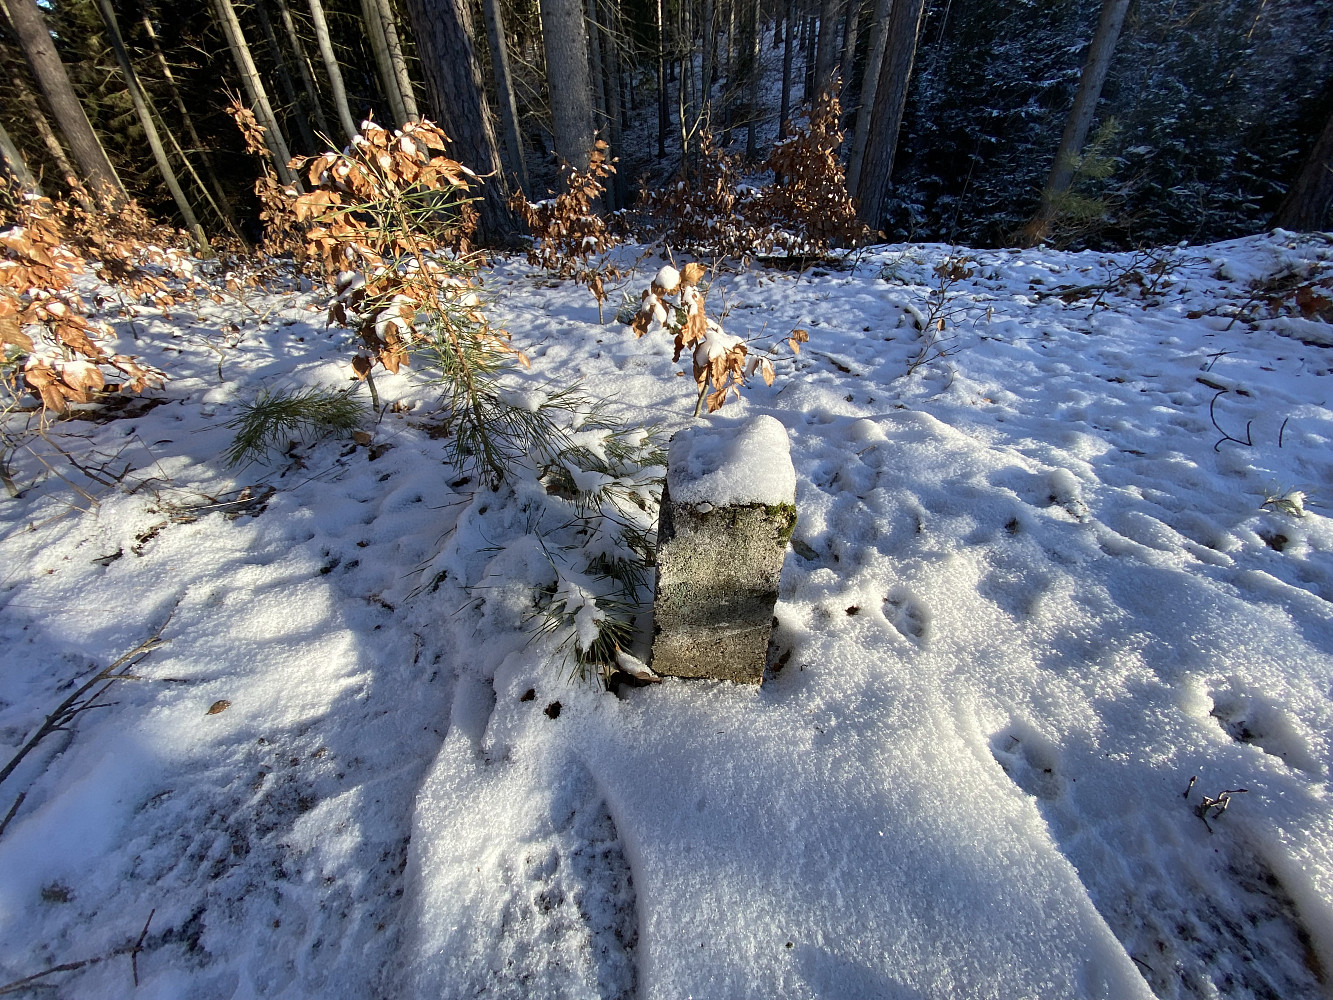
[80, 701]
[27, 982]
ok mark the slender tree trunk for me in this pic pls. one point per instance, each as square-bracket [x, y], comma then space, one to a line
[284, 77]
[710, 46]
[254, 89]
[333, 70]
[47, 69]
[593, 29]
[150, 127]
[663, 122]
[886, 116]
[567, 77]
[869, 88]
[788, 50]
[16, 166]
[504, 84]
[397, 60]
[752, 71]
[219, 201]
[1310, 198]
[826, 47]
[1078, 123]
[808, 83]
[379, 46]
[307, 71]
[848, 60]
[443, 33]
[33, 109]
[610, 70]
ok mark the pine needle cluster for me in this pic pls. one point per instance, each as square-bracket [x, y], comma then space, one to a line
[276, 417]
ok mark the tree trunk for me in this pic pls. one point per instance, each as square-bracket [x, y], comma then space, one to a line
[869, 88]
[220, 202]
[1310, 198]
[254, 89]
[1079, 121]
[379, 46]
[567, 77]
[593, 29]
[847, 63]
[611, 87]
[784, 105]
[826, 49]
[284, 77]
[150, 127]
[808, 79]
[504, 85]
[886, 116]
[333, 70]
[51, 77]
[28, 100]
[443, 33]
[663, 119]
[15, 166]
[307, 71]
[752, 73]
[710, 46]
[397, 61]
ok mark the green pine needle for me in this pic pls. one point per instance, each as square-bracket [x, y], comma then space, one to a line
[277, 416]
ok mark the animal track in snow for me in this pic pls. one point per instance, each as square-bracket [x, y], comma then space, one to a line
[1251, 718]
[1029, 759]
[908, 615]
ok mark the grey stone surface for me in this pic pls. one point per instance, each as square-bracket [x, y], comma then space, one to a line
[717, 583]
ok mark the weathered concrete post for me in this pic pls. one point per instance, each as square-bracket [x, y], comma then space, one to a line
[728, 511]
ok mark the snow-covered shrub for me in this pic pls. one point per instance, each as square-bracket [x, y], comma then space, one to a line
[674, 302]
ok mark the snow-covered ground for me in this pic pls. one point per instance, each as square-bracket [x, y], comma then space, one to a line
[1034, 592]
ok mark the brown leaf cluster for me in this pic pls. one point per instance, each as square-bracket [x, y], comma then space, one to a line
[48, 345]
[806, 210]
[568, 230]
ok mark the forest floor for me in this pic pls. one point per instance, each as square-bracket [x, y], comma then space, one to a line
[1051, 587]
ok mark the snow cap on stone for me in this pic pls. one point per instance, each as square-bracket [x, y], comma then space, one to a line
[749, 464]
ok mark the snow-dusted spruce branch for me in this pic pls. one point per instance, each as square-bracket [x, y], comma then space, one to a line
[85, 697]
[33, 982]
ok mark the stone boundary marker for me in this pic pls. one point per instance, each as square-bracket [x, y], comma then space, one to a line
[728, 511]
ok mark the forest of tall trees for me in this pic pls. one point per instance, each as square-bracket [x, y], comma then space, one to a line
[1115, 124]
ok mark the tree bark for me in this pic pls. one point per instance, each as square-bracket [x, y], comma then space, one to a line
[49, 71]
[254, 89]
[1078, 123]
[150, 127]
[886, 116]
[869, 87]
[610, 70]
[567, 78]
[504, 85]
[750, 39]
[1310, 198]
[443, 33]
[332, 68]
[379, 47]
[16, 166]
[397, 60]
[306, 69]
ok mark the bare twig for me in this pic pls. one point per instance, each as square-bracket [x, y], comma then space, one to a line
[1248, 442]
[133, 950]
[82, 700]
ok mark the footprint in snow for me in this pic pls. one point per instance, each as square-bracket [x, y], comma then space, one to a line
[1201, 914]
